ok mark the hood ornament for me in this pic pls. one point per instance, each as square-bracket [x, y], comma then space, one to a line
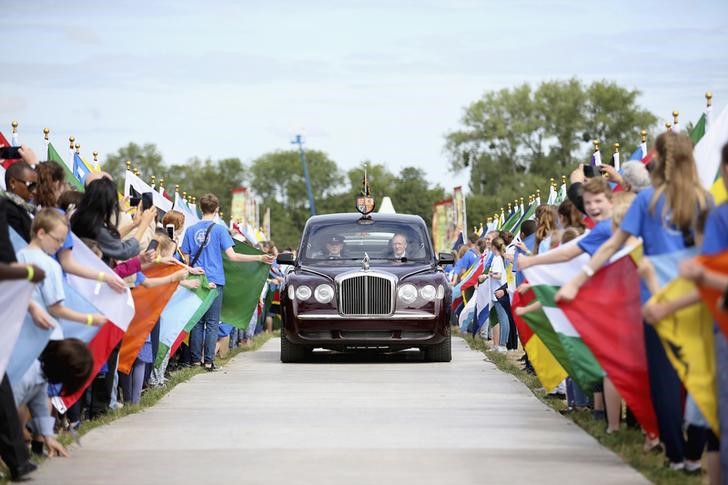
[365, 262]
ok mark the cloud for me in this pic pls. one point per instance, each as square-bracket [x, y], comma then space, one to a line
[12, 104]
[81, 35]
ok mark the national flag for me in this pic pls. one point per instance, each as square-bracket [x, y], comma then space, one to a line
[184, 310]
[70, 177]
[465, 319]
[707, 155]
[596, 159]
[711, 296]
[244, 283]
[80, 169]
[14, 298]
[616, 162]
[515, 217]
[698, 130]
[548, 370]
[616, 338]
[552, 195]
[561, 196]
[526, 217]
[149, 303]
[458, 242]
[687, 336]
[546, 279]
[131, 180]
[190, 216]
[6, 163]
[482, 306]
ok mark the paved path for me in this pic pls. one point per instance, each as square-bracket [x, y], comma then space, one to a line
[342, 420]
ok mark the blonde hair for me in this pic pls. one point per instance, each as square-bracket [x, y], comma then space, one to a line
[47, 219]
[620, 206]
[546, 221]
[676, 176]
[166, 245]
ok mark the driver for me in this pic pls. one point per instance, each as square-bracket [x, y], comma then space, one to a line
[334, 245]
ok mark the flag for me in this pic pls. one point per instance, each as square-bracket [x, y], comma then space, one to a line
[596, 159]
[548, 370]
[14, 298]
[607, 315]
[149, 303]
[513, 220]
[707, 155]
[70, 177]
[561, 196]
[466, 316]
[546, 279]
[80, 169]
[552, 195]
[6, 163]
[687, 336]
[698, 130]
[718, 263]
[615, 161]
[458, 242]
[526, 217]
[191, 218]
[482, 306]
[131, 180]
[183, 311]
[244, 283]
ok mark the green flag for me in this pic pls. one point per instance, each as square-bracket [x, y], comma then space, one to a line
[70, 178]
[698, 130]
[243, 285]
[527, 216]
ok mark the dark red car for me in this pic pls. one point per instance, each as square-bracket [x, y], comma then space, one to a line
[365, 283]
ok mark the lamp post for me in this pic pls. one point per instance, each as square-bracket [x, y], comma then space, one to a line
[299, 141]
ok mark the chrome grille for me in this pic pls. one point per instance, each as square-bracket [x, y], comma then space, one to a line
[365, 295]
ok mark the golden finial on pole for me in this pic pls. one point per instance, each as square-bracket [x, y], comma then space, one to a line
[616, 148]
[563, 179]
[675, 114]
[643, 134]
[596, 145]
[78, 148]
[161, 184]
[668, 126]
[184, 196]
[521, 200]
[708, 99]
[552, 182]
[136, 171]
[14, 124]
[45, 133]
[71, 139]
[128, 165]
[96, 157]
[154, 181]
[222, 215]
[176, 188]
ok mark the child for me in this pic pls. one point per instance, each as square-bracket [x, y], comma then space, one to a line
[48, 232]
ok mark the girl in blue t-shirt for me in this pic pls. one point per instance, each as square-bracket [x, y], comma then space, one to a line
[666, 216]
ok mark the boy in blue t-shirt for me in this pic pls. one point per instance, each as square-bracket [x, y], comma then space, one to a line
[205, 243]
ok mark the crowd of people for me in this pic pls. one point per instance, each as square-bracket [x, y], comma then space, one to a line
[660, 204]
[39, 215]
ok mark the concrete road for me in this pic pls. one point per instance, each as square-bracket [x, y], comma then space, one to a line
[343, 420]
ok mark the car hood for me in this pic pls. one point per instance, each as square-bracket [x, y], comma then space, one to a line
[399, 270]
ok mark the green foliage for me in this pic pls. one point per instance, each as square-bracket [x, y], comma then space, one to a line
[514, 140]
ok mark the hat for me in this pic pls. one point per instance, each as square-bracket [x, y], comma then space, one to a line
[334, 239]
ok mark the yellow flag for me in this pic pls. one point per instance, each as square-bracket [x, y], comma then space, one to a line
[719, 192]
[547, 368]
[687, 336]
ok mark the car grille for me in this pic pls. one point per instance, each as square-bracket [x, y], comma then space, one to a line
[365, 295]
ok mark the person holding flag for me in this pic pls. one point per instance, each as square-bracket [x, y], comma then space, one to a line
[666, 217]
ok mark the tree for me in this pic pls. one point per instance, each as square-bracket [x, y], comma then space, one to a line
[146, 158]
[198, 177]
[514, 140]
[412, 194]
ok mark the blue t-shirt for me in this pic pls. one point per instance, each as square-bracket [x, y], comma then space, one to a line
[715, 238]
[658, 235]
[596, 237]
[211, 256]
[468, 259]
[68, 242]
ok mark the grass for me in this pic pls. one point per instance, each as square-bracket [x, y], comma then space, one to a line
[627, 443]
[150, 397]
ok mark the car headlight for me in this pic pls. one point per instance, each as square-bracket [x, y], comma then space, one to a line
[407, 294]
[428, 292]
[303, 293]
[440, 292]
[323, 293]
[291, 292]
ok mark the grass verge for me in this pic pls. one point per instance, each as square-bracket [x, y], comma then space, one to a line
[627, 443]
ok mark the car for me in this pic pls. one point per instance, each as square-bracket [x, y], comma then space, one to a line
[366, 282]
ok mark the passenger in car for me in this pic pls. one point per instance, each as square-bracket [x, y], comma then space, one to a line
[334, 245]
[399, 246]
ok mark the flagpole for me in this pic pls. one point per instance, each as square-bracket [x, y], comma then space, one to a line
[668, 126]
[96, 161]
[708, 108]
[675, 114]
[14, 137]
[46, 141]
[299, 141]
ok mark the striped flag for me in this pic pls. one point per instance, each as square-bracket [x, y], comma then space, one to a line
[707, 155]
[14, 298]
[466, 316]
[183, 311]
[482, 305]
[718, 263]
[70, 177]
[547, 367]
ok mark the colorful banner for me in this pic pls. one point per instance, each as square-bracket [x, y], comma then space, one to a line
[461, 219]
[442, 225]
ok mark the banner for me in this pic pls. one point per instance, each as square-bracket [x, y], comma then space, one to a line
[461, 219]
[443, 225]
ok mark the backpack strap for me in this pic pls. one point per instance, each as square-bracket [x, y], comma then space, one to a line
[199, 250]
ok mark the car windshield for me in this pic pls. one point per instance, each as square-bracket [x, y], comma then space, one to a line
[380, 240]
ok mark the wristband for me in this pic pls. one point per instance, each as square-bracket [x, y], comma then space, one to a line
[31, 272]
[158, 259]
[89, 319]
[101, 277]
[587, 270]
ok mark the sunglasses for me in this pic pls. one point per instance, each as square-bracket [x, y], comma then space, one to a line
[31, 186]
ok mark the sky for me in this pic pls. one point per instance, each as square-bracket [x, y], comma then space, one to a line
[362, 80]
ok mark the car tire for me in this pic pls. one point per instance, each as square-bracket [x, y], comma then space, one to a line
[291, 352]
[441, 352]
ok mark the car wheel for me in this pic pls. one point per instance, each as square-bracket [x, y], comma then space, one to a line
[291, 352]
[441, 352]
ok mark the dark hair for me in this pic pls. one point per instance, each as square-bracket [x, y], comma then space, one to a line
[499, 245]
[68, 198]
[68, 362]
[569, 234]
[49, 173]
[482, 244]
[528, 227]
[209, 203]
[473, 238]
[507, 237]
[14, 171]
[724, 154]
[571, 214]
[99, 205]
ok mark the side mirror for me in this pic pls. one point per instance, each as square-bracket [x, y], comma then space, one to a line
[286, 258]
[445, 258]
